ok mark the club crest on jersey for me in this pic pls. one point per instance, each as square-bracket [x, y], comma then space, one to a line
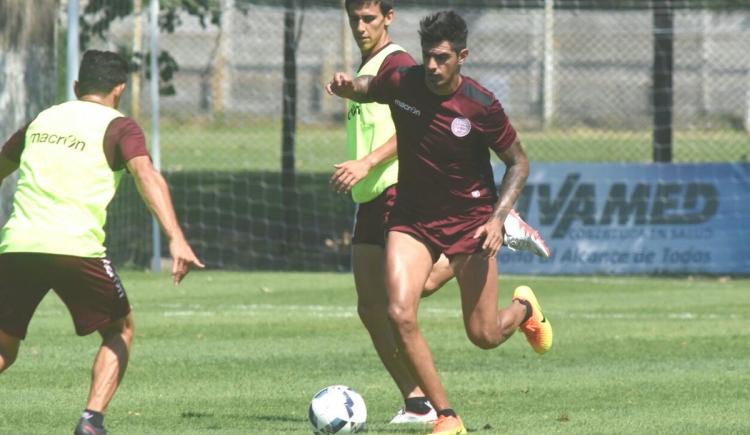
[460, 127]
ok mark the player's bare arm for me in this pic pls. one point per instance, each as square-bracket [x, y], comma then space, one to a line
[349, 173]
[516, 172]
[344, 86]
[155, 193]
[7, 167]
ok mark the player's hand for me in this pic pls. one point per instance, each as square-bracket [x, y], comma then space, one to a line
[349, 173]
[341, 85]
[183, 259]
[493, 236]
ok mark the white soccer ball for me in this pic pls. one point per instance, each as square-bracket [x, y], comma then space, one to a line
[337, 409]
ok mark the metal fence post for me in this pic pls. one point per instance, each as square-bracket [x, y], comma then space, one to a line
[548, 99]
[71, 56]
[155, 148]
[662, 76]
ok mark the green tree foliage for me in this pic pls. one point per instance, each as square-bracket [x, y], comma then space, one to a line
[98, 16]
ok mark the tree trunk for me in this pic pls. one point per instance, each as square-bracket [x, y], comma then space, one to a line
[28, 82]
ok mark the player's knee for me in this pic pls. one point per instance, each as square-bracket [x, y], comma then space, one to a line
[483, 339]
[403, 318]
[485, 336]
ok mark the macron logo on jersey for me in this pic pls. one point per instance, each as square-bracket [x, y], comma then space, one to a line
[411, 109]
[70, 140]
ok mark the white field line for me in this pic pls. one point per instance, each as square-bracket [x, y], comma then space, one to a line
[177, 310]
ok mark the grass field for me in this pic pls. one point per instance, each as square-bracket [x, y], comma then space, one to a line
[191, 146]
[242, 353]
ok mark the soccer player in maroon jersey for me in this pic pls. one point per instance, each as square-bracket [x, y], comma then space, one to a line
[370, 175]
[447, 202]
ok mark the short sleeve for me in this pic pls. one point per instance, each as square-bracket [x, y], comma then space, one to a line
[14, 146]
[397, 59]
[123, 141]
[496, 129]
[384, 84]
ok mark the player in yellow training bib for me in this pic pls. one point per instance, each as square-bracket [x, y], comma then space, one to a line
[70, 160]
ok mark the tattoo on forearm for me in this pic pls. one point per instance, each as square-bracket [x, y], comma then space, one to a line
[510, 188]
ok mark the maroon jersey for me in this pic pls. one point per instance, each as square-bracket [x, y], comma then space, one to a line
[123, 140]
[443, 142]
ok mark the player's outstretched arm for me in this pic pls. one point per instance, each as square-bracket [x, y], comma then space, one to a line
[355, 89]
[516, 172]
[155, 193]
[7, 167]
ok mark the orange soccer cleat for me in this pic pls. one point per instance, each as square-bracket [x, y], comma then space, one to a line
[448, 425]
[537, 328]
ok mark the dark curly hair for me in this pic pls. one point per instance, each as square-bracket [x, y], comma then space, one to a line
[100, 72]
[444, 26]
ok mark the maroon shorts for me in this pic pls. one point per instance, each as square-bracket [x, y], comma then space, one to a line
[369, 223]
[452, 235]
[89, 287]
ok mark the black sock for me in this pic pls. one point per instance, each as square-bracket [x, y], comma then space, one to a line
[447, 412]
[93, 417]
[526, 304]
[417, 405]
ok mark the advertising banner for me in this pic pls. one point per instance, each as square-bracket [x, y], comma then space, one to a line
[636, 219]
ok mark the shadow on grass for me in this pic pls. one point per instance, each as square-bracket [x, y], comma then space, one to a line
[283, 418]
[196, 414]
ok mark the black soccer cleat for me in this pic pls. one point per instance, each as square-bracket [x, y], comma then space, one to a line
[86, 428]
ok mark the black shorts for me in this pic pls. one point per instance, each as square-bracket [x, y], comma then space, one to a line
[89, 287]
[369, 223]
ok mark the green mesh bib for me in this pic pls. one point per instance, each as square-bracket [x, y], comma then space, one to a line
[368, 127]
[64, 183]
